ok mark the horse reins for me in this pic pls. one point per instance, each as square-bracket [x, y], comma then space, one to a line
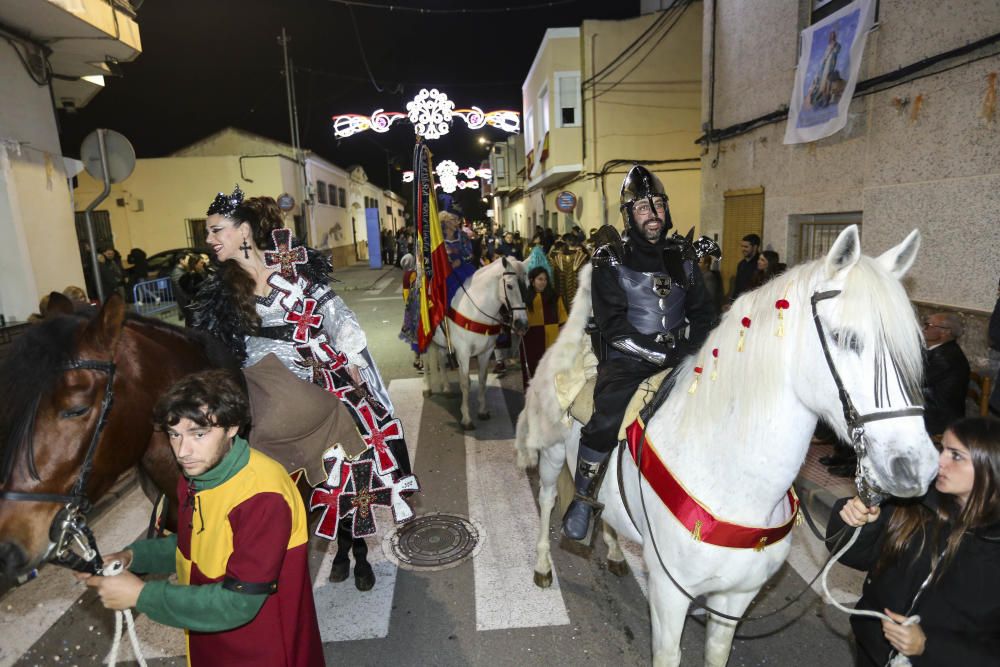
[506, 302]
[70, 525]
[855, 422]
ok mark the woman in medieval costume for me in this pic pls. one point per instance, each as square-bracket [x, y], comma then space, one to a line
[546, 315]
[270, 299]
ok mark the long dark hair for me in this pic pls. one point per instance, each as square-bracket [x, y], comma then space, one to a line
[263, 216]
[943, 529]
[549, 294]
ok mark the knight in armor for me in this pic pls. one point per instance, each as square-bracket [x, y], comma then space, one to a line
[646, 290]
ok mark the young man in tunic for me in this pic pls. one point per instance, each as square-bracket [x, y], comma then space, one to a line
[243, 593]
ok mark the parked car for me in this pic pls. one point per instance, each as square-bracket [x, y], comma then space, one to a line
[162, 263]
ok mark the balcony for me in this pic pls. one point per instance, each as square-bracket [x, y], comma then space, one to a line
[84, 38]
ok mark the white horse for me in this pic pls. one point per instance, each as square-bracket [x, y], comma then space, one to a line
[737, 442]
[474, 321]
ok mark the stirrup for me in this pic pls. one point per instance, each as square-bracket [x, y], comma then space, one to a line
[584, 545]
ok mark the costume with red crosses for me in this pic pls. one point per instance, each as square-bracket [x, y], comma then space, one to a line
[310, 329]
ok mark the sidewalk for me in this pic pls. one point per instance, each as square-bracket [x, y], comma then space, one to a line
[360, 276]
[818, 487]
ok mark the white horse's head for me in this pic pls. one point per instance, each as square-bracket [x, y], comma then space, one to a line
[867, 335]
[510, 294]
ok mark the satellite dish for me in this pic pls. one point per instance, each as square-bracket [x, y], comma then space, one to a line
[121, 156]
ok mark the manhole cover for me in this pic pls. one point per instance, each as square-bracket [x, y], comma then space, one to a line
[433, 542]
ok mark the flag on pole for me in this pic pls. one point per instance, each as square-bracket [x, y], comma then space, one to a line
[433, 266]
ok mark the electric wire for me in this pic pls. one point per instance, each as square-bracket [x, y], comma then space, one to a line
[457, 10]
[683, 9]
[361, 47]
[627, 51]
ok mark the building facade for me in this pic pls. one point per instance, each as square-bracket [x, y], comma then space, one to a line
[162, 205]
[604, 96]
[921, 148]
[40, 252]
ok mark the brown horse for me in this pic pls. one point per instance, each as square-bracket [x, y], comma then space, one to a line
[62, 446]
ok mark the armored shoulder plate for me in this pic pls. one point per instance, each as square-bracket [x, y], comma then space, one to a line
[607, 255]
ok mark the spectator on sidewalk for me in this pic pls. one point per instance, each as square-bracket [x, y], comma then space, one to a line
[111, 275]
[935, 557]
[946, 372]
[994, 342]
[747, 268]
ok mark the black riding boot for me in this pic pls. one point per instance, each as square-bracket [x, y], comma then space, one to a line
[589, 470]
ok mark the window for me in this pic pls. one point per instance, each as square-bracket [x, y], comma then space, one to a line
[529, 130]
[333, 194]
[568, 99]
[343, 197]
[321, 192]
[543, 112]
[812, 236]
[388, 209]
[400, 211]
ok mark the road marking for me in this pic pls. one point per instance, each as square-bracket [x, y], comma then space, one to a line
[809, 554]
[382, 298]
[500, 499]
[345, 613]
[380, 284]
[27, 612]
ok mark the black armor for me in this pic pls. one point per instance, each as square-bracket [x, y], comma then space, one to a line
[645, 293]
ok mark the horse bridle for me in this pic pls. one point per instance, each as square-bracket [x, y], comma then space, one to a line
[868, 490]
[509, 321]
[69, 528]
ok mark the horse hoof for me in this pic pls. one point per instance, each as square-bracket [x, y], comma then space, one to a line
[364, 577]
[468, 427]
[619, 568]
[543, 580]
[338, 572]
[483, 416]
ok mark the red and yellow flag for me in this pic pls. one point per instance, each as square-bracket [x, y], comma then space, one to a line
[433, 266]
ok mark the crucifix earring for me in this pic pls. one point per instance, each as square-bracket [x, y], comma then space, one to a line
[245, 248]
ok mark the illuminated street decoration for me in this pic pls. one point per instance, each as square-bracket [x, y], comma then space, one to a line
[352, 123]
[431, 113]
[447, 172]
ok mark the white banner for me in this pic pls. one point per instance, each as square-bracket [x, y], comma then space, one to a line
[827, 73]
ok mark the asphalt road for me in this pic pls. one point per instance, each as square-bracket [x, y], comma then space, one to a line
[484, 611]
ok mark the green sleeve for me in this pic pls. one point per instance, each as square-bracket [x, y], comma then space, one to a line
[156, 556]
[204, 608]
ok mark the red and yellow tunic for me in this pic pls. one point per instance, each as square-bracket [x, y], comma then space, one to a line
[545, 319]
[244, 594]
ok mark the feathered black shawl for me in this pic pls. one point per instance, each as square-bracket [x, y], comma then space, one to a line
[214, 307]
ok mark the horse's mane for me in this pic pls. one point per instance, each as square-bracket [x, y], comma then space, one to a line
[873, 305]
[37, 358]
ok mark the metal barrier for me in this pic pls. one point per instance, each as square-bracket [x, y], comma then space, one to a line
[154, 297]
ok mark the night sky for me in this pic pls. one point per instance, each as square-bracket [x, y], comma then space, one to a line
[208, 64]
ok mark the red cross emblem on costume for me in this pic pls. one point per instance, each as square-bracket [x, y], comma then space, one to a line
[327, 494]
[284, 257]
[304, 320]
[322, 364]
[378, 436]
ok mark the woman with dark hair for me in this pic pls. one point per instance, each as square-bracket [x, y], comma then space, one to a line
[937, 557]
[768, 266]
[546, 315]
[271, 296]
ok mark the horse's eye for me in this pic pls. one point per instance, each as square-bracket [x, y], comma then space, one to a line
[74, 412]
[847, 340]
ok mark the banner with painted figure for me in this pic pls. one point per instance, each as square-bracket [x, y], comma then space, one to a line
[433, 266]
[827, 73]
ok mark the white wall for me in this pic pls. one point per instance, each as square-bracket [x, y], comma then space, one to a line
[39, 251]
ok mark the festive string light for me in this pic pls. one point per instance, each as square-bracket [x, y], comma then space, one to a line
[431, 113]
[447, 176]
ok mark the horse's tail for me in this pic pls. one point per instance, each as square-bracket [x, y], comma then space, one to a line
[527, 457]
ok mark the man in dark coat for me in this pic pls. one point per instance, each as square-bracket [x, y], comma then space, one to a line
[946, 372]
[747, 268]
[645, 289]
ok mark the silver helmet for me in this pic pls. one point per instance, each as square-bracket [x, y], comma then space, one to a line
[640, 184]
